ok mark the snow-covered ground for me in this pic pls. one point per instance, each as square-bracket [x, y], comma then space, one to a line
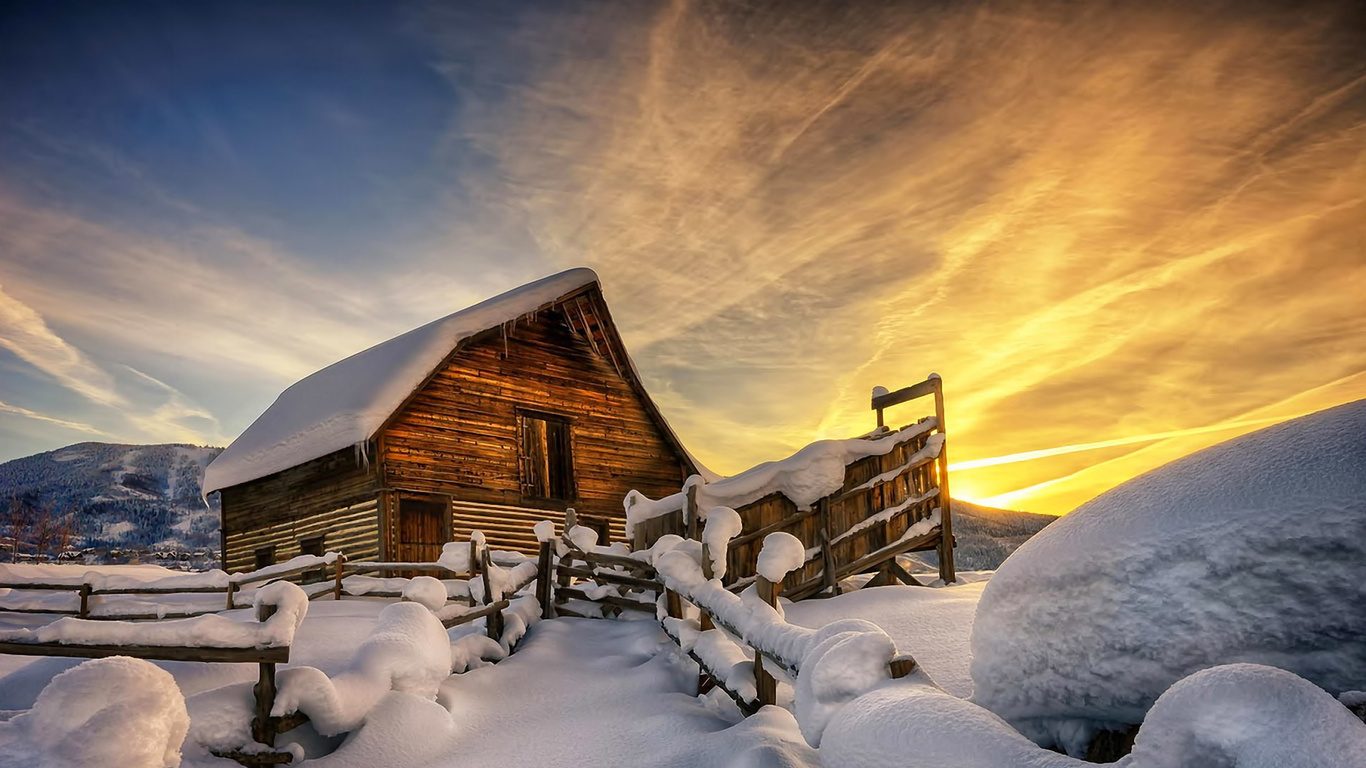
[1253, 550]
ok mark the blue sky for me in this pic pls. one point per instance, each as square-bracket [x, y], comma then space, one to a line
[1101, 222]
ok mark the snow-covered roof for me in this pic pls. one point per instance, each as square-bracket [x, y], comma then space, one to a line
[347, 402]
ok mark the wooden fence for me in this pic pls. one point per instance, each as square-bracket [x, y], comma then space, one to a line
[697, 608]
[864, 525]
[264, 726]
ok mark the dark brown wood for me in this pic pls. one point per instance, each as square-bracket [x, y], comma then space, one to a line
[905, 394]
[495, 619]
[902, 574]
[262, 727]
[545, 564]
[604, 577]
[673, 604]
[947, 571]
[158, 652]
[337, 576]
[478, 613]
[574, 593]
[765, 686]
[85, 601]
[900, 666]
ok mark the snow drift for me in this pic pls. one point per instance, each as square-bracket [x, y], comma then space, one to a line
[106, 712]
[1249, 551]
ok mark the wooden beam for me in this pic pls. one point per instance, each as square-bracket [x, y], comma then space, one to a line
[158, 652]
[906, 394]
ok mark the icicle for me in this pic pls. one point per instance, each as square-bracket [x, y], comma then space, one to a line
[363, 453]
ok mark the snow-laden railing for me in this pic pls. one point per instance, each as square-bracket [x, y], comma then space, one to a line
[86, 595]
[742, 643]
[854, 504]
[280, 610]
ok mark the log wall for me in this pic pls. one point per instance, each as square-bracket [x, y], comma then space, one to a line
[333, 495]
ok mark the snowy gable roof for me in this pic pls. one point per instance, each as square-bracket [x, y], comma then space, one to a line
[347, 402]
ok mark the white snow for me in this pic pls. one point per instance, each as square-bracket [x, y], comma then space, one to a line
[544, 530]
[933, 625]
[105, 712]
[781, 554]
[211, 631]
[1249, 551]
[1232, 716]
[723, 524]
[810, 474]
[426, 591]
[408, 651]
[347, 402]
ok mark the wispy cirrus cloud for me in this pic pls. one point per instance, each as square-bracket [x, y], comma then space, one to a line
[24, 332]
[1097, 221]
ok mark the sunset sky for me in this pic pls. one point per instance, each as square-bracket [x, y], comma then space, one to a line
[1121, 232]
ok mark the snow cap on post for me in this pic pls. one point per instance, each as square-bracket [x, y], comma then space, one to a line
[723, 524]
[781, 554]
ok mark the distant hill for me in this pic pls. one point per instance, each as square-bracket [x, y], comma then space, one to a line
[986, 536]
[138, 497]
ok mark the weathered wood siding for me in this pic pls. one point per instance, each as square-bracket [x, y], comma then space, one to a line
[458, 435]
[334, 495]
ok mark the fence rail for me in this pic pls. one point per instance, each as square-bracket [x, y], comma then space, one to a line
[894, 499]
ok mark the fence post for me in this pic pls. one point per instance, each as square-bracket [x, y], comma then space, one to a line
[337, 584]
[704, 621]
[690, 512]
[494, 621]
[946, 569]
[232, 587]
[85, 601]
[545, 563]
[765, 686]
[262, 727]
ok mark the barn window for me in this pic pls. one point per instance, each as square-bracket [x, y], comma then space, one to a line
[313, 545]
[265, 556]
[545, 456]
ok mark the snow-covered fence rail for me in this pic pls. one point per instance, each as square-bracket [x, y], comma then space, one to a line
[280, 609]
[743, 645]
[613, 580]
[854, 504]
[49, 594]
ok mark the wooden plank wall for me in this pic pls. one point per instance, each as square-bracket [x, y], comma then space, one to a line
[352, 530]
[458, 435]
[293, 500]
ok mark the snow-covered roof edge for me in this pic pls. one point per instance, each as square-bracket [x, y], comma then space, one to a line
[348, 402]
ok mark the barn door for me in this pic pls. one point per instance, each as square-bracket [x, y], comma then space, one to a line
[423, 526]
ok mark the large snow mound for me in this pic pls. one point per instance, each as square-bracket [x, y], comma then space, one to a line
[1249, 551]
[1234, 716]
[115, 711]
[347, 402]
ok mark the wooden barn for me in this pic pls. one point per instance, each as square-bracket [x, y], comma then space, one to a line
[492, 418]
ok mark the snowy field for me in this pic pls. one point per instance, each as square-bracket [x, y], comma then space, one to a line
[1212, 611]
[577, 691]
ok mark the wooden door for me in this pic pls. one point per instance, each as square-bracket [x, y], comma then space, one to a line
[423, 527]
